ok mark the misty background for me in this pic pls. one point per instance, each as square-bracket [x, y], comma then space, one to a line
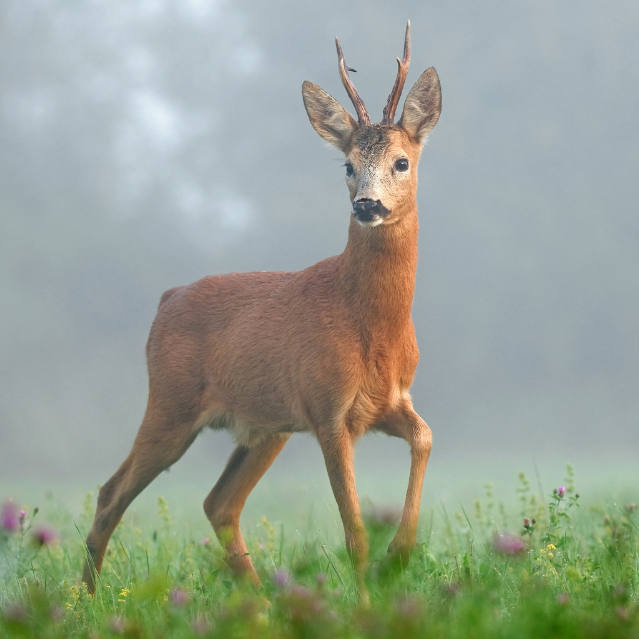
[146, 144]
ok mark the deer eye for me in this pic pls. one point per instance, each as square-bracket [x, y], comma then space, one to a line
[402, 165]
[349, 169]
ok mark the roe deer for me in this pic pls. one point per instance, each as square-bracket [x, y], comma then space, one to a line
[329, 350]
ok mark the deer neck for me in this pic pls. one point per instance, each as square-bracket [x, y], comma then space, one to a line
[377, 273]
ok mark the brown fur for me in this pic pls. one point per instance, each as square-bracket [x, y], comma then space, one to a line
[330, 350]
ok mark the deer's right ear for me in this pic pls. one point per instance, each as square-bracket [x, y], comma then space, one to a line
[328, 117]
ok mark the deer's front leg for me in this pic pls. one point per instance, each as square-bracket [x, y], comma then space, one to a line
[408, 425]
[337, 447]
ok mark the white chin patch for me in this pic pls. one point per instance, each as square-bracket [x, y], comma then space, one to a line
[370, 223]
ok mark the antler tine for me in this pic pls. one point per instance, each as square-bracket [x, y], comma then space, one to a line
[358, 103]
[402, 72]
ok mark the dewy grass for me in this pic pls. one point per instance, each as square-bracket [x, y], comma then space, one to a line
[556, 569]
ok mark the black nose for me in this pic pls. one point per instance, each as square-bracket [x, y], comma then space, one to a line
[366, 209]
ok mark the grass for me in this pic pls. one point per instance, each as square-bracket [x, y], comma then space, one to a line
[566, 571]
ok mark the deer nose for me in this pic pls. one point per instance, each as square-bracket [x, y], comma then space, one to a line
[369, 212]
[366, 209]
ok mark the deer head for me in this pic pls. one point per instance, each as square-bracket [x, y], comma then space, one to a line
[381, 159]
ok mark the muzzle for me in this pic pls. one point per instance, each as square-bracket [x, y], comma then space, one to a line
[369, 212]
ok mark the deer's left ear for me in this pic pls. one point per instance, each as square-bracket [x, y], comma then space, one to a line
[422, 107]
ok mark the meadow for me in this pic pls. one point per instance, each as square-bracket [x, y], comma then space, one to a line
[554, 566]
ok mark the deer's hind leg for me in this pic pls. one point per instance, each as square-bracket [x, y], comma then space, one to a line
[225, 502]
[162, 439]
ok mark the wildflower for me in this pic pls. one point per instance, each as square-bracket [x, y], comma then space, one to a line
[508, 544]
[117, 625]
[57, 613]
[382, 516]
[409, 607]
[622, 613]
[563, 598]
[15, 613]
[9, 518]
[281, 577]
[179, 597]
[124, 593]
[561, 491]
[304, 605]
[205, 542]
[526, 523]
[45, 535]
[451, 589]
[201, 626]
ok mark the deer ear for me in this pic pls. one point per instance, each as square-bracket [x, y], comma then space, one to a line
[422, 107]
[328, 117]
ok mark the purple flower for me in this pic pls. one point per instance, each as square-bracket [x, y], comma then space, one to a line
[387, 515]
[561, 491]
[508, 544]
[563, 598]
[180, 597]
[281, 577]
[409, 607]
[117, 625]
[9, 518]
[206, 541]
[45, 535]
[201, 625]
[623, 613]
[15, 613]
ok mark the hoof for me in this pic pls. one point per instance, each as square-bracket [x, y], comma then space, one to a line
[395, 562]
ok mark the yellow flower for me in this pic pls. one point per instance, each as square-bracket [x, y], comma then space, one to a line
[124, 593]
[550, 547]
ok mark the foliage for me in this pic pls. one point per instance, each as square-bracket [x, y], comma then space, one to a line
[571, 572]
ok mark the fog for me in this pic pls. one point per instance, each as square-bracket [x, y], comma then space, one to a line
[147, 144]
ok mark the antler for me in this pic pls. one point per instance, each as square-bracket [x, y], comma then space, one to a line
[402, 72]
[358, 103]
